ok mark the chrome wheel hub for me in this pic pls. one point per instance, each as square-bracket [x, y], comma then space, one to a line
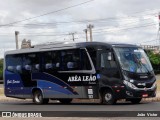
[108, 96]
[38, 98]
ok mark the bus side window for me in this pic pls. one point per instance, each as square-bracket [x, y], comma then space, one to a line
[56, 60]
[47, 61]
[92, 50]
[14, 63]
[70, 60]
[107, 60]
[51, 61]
[86, 65]
[31, 62]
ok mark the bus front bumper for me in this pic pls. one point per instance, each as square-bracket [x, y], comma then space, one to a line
[140, 93]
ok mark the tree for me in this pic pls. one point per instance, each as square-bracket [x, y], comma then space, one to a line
[155, 61]
[154, 58]
[1, 69]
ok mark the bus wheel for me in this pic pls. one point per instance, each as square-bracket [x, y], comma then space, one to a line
[38, 98]
[108, 98]
[65, 101]
[135, 100]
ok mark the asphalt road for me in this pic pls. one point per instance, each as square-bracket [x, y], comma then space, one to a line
[94, 110]
[54, 106]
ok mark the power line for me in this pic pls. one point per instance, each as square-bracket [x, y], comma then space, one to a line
[66, 33]
[147, 41]
[73, 36]
[108, 28]
[82, 21]
[100, 20]
[101, 33]
[73, 22]
[46, 13]
[120, 26]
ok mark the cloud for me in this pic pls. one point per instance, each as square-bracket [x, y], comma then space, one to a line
[113, 20]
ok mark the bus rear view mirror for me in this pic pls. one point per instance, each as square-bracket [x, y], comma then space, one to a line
[10, 68]
[109, 56]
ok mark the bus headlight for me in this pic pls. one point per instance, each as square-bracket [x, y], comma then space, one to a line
[129, 84]
[154, 85]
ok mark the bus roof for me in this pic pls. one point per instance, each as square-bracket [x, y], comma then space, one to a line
[67, 45]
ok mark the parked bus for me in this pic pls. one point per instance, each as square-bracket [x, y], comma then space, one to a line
[85, 70]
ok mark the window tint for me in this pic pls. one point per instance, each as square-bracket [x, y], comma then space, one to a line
[70, 60]
[75, 59]
[85, 63]
[51, 61]
[31, 62]
[56, 59]
[93, 54]
[66, 60]
[105, 63]
[14, 63]
[48, 60]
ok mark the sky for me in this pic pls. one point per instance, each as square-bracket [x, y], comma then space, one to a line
[43, 21]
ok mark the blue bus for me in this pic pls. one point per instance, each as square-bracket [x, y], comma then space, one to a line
[84, 70]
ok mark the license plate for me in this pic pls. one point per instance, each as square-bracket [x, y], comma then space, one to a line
[145, 95]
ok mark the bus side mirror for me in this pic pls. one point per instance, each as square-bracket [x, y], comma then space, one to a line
[109, 56]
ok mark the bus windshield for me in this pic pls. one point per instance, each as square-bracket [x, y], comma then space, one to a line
[133, 59]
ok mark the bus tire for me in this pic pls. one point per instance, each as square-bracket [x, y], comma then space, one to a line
[108, 97]
[38, 98]
[135, 100]
[65, 101]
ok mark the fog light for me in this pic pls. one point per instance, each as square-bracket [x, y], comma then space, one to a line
[145, 95]
[129, 93]
[117, 90]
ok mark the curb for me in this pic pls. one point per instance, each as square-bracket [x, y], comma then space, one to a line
[8, 99]
[3, 98]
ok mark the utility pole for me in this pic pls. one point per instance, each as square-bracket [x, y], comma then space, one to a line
[86, 32]
[73, 38]
[90, 30]
[16, 38]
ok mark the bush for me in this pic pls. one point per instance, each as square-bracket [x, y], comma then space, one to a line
[155, 61]
[1, 69]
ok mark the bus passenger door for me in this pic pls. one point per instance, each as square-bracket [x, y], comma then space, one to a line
[108, 68]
